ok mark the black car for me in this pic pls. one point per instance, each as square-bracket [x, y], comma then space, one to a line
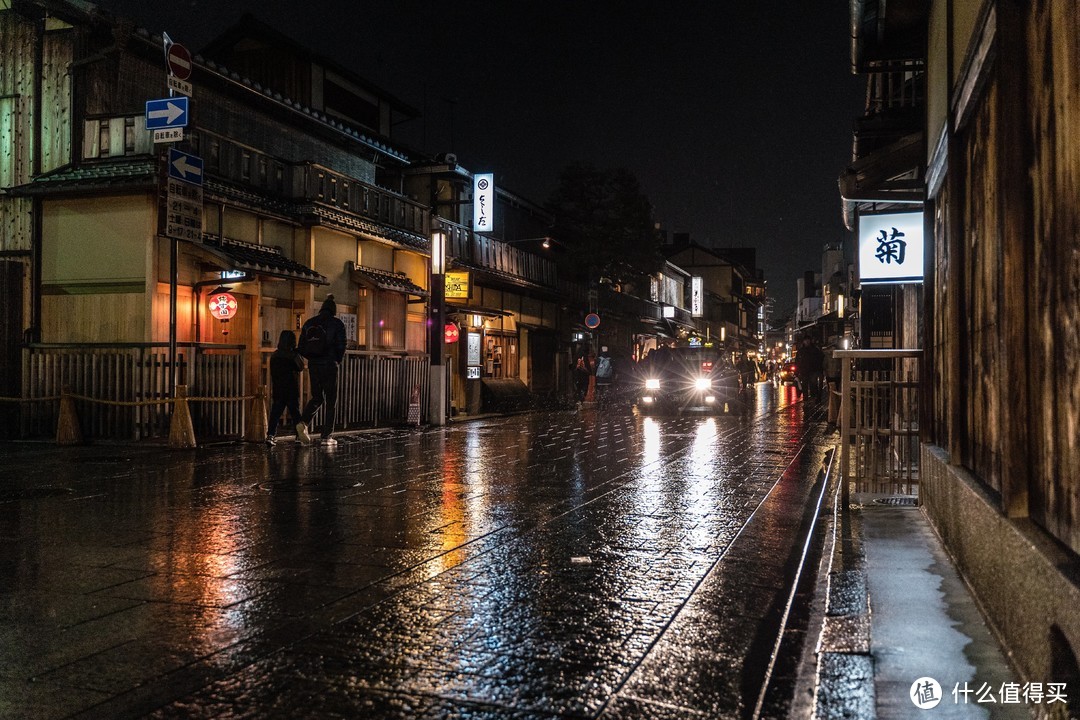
[687, 379]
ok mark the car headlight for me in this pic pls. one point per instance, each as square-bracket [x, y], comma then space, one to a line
[703, 383]
[652, 384]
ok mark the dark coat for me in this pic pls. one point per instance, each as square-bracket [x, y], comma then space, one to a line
[335, 340]
[285, 368]
[809, 359]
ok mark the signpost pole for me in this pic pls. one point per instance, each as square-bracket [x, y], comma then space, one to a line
[173, 279]
[436, 327]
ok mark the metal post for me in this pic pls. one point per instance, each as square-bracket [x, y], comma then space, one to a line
[845, 429]
[173, 273]
[436, 323]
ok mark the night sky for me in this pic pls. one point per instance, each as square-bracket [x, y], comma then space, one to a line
[735, 117]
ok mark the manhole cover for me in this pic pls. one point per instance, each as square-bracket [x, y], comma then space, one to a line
[902, 501]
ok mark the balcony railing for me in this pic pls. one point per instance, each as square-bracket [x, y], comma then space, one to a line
[306, 182]
[879, 420]
[314, 183]
[491, 254]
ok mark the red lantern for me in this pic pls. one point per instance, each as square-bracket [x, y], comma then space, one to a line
[223, 305]
[451, 333]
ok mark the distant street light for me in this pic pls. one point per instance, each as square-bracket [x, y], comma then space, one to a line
[545, 242]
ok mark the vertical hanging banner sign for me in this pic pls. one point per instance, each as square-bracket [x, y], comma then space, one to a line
[697, 304]
[483, 202]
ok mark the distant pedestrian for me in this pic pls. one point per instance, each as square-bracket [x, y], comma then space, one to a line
[748, 372]
[285, 368]
[583, 370]
[809, 365]
[322, 343]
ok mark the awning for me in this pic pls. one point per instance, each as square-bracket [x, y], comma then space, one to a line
[454, 309]
[386, 280]
[258, 260]
[677, 324]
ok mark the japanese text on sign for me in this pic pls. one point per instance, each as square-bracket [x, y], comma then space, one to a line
[183, 210]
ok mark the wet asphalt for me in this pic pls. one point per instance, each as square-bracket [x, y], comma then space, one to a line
[576, 564]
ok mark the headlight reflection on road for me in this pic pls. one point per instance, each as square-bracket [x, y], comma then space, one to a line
[651, 451]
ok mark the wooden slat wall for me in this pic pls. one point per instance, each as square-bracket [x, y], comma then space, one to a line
[16, 123]
[56, 100]
[1008, 352]
[983, 291]
[1054, 281]
[105, 317]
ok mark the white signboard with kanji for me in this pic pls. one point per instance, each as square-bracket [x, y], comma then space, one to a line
[891, 248]
[483, 202]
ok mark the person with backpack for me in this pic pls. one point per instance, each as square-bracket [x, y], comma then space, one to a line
[322, 344]
[285, 368]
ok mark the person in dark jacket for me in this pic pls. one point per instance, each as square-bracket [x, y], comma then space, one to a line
[322, 344]
[809, 364]
[285, 368]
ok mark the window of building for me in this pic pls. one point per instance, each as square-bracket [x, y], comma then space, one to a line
[387, 320]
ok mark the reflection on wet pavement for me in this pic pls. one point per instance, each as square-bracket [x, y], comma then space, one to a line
[551, 564]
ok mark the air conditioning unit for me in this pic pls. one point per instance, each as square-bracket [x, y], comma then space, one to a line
[448, 158]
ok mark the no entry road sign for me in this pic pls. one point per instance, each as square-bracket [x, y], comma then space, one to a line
[179, 59]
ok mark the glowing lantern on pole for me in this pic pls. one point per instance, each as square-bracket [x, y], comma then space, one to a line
[223, 307]
[451, 334]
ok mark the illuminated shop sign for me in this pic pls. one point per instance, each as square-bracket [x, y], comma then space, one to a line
[457, 285]
[697, 304]
[483, 202]
[891, 248]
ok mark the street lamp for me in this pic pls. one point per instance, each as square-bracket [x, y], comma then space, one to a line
[545, 242]
[436, 325]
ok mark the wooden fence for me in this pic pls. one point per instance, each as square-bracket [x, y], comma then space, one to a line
[123, 389]
[374, 389]
[879, 420]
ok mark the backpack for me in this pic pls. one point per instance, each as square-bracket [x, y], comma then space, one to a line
[314, 342]
[603, 367]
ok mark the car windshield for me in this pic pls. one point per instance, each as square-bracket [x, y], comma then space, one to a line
[686, 359]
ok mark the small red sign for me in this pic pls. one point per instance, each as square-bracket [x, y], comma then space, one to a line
[179, 59]
[592, 321]
[451, 334]
[223, 305]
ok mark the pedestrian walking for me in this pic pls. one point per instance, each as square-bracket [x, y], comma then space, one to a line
[285, 368]
[809, 364]
[583, 370]
[322, 344]
[748, 372]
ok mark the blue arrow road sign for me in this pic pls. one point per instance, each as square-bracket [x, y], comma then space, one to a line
[183, 166]
[167, 113]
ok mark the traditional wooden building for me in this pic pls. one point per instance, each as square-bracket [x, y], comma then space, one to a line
[502, 294]
[985, 95]
[734, 289]
[108, 264]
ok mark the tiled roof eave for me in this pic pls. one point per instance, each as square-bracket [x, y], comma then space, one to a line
[260, 260]
[345, 220]
[125, 175]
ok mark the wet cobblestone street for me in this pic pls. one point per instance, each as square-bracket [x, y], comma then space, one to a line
[556, 564]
